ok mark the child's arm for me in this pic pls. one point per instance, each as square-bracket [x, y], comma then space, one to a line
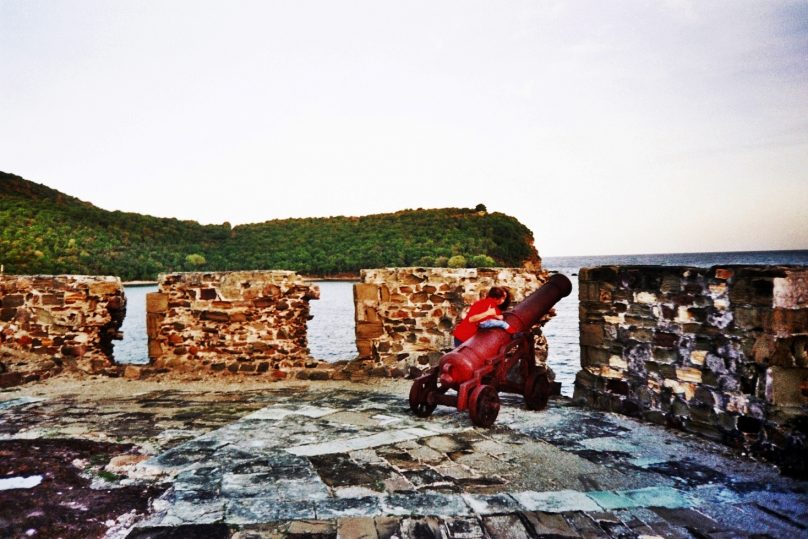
[490, 313]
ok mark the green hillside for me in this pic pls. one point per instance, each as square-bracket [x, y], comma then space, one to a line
[45, 231]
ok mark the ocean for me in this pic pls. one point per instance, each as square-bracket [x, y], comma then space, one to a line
[331, 331]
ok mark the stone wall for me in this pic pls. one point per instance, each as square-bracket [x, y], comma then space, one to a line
[405, 316]
[48, 323]
[230, 322]
[722, 352]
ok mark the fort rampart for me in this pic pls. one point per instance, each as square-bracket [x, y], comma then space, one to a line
[405, 316]
[230, 322]
[49, 322]
[721, 352]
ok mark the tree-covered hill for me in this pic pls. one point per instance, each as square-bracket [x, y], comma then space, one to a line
[45, 231]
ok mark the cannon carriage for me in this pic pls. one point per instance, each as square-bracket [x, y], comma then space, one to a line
[471, 376]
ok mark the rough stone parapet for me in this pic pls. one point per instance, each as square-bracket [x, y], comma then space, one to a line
[51, 322]
[722, 352]
[405, 316]
[230, 322]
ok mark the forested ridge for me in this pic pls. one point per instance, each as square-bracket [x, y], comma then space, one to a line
[46, 231]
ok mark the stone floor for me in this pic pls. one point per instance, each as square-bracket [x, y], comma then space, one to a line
[350, 460]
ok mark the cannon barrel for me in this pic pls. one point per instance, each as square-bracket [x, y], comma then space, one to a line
[459, 365]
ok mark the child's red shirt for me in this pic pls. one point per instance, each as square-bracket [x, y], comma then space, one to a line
[465, 330]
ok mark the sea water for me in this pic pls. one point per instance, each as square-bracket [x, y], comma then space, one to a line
[331, 330]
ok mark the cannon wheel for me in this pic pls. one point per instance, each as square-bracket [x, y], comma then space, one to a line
[537, 390]
[484, 406]
[420, 390]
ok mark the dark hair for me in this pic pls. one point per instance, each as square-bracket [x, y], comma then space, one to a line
[500, 292]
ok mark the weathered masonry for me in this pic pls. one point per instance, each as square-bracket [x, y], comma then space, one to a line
[722, 352]
[241, 321]
[49, 322]
[405, 316]
[255, 322]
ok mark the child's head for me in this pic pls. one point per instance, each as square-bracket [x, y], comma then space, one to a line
[501, 295]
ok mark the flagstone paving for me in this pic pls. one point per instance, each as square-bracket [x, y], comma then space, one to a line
[350, 460]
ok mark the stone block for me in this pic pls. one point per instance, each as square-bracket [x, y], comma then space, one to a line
[365, 292]
[13, 300]
[697, 357]
[689, 374]
[550, 525]
[364, 347]
[156, 302]
[107, 287]
[786, 322]
[369, 330]
[787, 387]
[132, 372]
[663, 339]
[591, 334]
[591, 356]
[509, 526]
[791, 291]
[11, 379]
[155, 349]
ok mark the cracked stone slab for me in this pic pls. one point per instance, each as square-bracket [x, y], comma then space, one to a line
[196, 512]
[276, 413]
[550, 525]
[19, 401]
[555, 501]
[610, 500]
[355, 492]
[790, 506]
[180, 457]
[667, 497]
[260, 510]
[422, 503]
[463, 528]
[644, 497]
[713, 494]
[509, 526]
[490, 504]
[348, 507]
[384, 420]
[363, 442]
[251, 510]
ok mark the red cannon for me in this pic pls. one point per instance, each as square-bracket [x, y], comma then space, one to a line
[492, 361]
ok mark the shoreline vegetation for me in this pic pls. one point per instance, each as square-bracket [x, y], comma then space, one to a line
[44, 231]
[339, 278]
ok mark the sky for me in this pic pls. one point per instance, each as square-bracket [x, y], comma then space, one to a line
[605, 127]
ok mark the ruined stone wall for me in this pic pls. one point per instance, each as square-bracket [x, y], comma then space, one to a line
[230, 322]
[405, 316]
[51, 322]
[722, 352]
